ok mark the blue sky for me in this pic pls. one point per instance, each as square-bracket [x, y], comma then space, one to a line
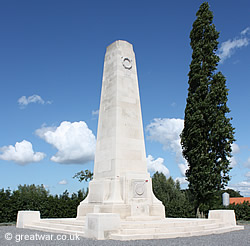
[51, 62]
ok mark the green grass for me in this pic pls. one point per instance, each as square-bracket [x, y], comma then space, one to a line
[243, 222]
[8, 224]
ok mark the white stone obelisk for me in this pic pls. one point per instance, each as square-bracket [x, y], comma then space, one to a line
[121, 183]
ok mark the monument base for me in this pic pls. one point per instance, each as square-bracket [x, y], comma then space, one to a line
[225, 216]
[128, 196]
[154, 212]
[109, 225]
[102, 225]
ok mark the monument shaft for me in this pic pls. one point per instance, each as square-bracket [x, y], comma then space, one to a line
[121, 183]
[120, 141]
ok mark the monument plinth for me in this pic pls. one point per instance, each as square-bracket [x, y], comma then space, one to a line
[121, 183]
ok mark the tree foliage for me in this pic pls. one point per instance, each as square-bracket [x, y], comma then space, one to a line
[242, 210]
[232, 193]
[175, 200]
[85, 175]
[208, 134]
[32, 197]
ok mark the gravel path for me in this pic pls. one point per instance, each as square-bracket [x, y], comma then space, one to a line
[25, 237]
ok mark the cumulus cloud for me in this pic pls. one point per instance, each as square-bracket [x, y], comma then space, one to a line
[228, 47]
[167, 132]
[157, 165]
[22, 153]
[24, 101]
[63, 182]
[75, 142]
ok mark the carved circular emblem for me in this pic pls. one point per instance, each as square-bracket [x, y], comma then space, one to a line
[139, 189]
[127, 63]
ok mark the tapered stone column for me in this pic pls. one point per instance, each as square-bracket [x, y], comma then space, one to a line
[121, 183]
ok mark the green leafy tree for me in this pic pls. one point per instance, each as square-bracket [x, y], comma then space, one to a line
[32, 197]
[242, 210]
[232, 193]
[173, 198]
[5, 206]
[208, 134]
[85, 175]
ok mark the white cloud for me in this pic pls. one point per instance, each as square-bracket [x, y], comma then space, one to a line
[24, 101]
[40, 132]
[243, 187]
[75, 142]
[63, 182]
[157, 165]
[183, 168]
[235, 148]
[167, 132]
[245, 31]
[22, 153]
[228, 47]
[233, 159]
[182, 180]
[233, 162]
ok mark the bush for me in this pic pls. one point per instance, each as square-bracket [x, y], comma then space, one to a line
[176, 201]
[242, 211]
[31, 197]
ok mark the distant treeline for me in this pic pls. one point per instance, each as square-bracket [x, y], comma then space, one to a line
[32, 197]
[177, 202]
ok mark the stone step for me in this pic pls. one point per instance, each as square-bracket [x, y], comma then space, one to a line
[143, 218]
[54, 230]
[68, 221]
[135, 230]
[182, 228]
[62, 226]
[173, 234]
[166, 223]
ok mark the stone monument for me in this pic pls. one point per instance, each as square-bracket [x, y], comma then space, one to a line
[121, 183]
[121, 204]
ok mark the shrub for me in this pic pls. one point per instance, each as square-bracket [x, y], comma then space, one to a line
[242, 210]
[31, 197]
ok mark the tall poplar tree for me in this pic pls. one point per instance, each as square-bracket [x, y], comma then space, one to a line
[208, 135]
